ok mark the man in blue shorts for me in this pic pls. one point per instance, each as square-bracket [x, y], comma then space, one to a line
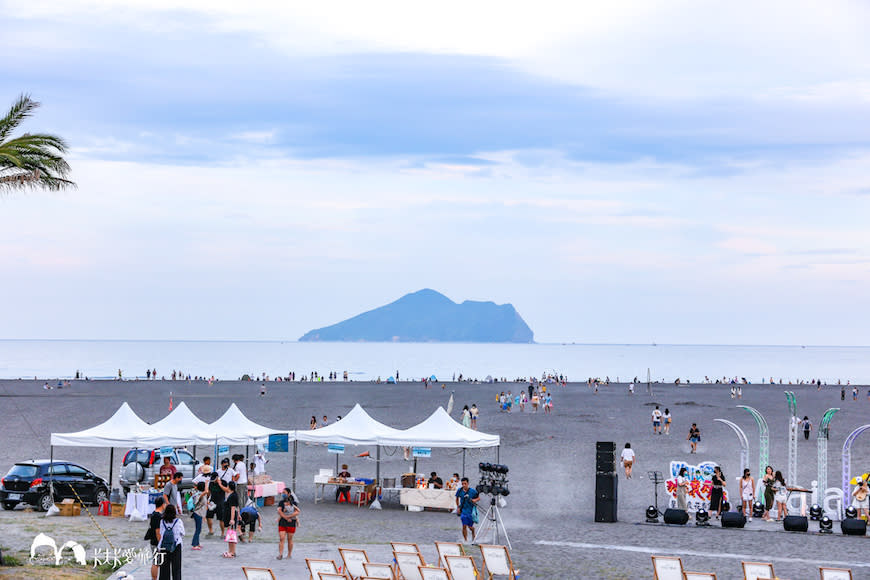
[466, 499]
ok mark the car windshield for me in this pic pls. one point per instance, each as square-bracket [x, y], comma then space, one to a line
[137, 456]
[23, 470]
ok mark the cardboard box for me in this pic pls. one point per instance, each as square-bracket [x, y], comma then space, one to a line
[69, 508]
[118, 510]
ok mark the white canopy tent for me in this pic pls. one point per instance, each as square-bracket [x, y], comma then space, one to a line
[234, 428]
[181, 427]
[355, 428]
[123, 429]
[440, 430]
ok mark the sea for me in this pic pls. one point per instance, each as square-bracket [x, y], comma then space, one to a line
[367, 361]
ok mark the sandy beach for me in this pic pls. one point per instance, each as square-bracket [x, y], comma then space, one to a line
[549, 515]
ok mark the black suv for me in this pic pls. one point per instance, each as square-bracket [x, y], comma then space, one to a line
[28, 481]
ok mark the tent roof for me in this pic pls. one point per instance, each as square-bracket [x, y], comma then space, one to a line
[356, 428]
[440, 430]
[234, 428]
[123, 429]
[182, 427]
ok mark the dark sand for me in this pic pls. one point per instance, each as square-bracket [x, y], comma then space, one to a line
[552, 465]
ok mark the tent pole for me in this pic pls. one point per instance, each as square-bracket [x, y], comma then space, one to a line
[111, 462]
[378, 466]
[463, 462]
[336, 464]
[295, 442]
[51, 471]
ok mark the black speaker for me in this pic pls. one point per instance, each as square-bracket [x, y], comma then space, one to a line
[854, 527]
[605, 497]
[795, 523]
[605, 462]
[609, 446]
[733, 520]
[677, 517]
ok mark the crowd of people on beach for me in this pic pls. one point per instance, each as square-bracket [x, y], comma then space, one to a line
[534, 397]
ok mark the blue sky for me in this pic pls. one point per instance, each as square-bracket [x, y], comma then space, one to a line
[673, 172]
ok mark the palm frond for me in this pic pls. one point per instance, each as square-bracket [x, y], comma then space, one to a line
[20, 110]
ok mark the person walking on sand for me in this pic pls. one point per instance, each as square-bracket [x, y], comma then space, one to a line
[172, 527]
[288, 512]
[627, 459]
[747, 493]
[666, 419]
[466, 504]
[808, 426]
[657, 421]
[694, 437]
[474, 413]
[466, 417]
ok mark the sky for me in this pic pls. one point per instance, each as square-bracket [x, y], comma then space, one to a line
[622, 172]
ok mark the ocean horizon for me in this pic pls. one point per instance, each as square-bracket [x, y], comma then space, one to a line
[365, 361]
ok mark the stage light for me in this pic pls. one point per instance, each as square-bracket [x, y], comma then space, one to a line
[851, 513]
[816, 512]
[702, 517]
[826, 525]
[757, 509]
[652, 515]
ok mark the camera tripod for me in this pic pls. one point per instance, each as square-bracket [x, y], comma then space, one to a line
[489, 524]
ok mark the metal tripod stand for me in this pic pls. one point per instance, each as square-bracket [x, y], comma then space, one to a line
[657, 479]
[490, 523]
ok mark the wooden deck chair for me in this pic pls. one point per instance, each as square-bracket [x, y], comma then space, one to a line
[497, 561]
[408, 564]
[257, 573]
[448, 549]
[699, 575]
[315, 567]
[405, 547]
[667, 568]
[353, 561]
[462, 567]
[835, 573]
[428, 573]
[374, 570]
[757, 570]
[331, 576]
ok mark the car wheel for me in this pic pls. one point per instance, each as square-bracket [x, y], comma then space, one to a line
[9, 505]
[45, 502]
[101, 496]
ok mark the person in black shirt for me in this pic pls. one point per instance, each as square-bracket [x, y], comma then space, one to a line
[343, 489]
[231, 512]
[436, 481]
[153, 533]
[216, 493]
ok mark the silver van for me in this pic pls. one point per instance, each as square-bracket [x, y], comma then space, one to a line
[141, 465]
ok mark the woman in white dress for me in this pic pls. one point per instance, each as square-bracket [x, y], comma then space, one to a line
[780, 495]
[747, 493]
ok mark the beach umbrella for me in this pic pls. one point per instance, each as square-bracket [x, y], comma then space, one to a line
[854, 480]
[450, 404]
[391, 380]
[433, 378]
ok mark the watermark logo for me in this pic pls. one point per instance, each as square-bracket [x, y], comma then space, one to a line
[44, 541]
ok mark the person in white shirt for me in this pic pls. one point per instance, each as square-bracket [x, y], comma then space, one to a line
[260, 462]
[627, 459]
[657, 420]
[241, 479]
[171, 565]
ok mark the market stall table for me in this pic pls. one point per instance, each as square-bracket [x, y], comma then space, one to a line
[363, 488]
[431, 498]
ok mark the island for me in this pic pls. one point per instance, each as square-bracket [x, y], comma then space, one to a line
[429, 316]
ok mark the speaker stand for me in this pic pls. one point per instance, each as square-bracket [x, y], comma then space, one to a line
[657, 479]
[490, 523]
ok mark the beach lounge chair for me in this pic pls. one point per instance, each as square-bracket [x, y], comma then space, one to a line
[405, 547]
[315, 567]
[408, 564]
[835, 573]
[447, 549]
[667, 568]
[462, 567]
[257, 572]
[330, 576]
[353, 562]
[699, 575]
[497, 561]
[428, 573]
[757, 570]
[374, 570]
